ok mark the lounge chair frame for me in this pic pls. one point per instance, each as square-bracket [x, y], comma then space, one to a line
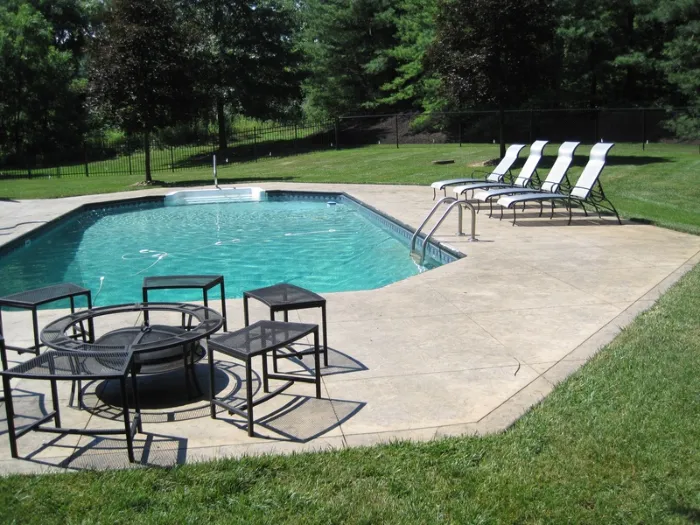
[584, 192]
[524, 178]
[556, 180]
[503, 169]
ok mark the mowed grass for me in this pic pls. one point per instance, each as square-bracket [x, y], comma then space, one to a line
[660, 184]
[616, 443]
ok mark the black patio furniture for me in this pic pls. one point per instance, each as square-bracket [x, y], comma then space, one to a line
[56, 366]
[255, 340]
[32, 299]
[157, 348]
[183, 282]
[285, 297]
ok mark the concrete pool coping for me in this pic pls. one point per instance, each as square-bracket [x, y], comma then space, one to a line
[466, 348]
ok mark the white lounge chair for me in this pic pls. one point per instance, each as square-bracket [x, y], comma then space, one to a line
[524, 177]
[551, 184]
[587, 190]
[501, 170]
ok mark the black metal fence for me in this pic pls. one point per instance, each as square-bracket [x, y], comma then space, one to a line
[637, 125]
[193, 147]
[170, 151]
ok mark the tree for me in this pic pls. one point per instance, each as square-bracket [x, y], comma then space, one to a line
[681, 60]
[344, 42]
[491, 53]
[247, 57]
[41, 109]
[412, 86]
[139, 72]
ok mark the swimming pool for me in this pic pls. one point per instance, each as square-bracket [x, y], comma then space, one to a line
[299, 239]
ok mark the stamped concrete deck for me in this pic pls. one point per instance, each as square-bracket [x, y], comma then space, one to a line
[465, 348]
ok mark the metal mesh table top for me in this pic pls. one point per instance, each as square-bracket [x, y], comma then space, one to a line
[284, 294]
[69, 365]
[138, 339]
[182, 281]
[32, 298]
[259, 337]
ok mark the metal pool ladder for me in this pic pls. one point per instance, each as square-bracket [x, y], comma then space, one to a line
[453, 203]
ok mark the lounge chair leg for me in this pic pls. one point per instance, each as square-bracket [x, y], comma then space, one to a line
[615, 212]
[570, 210]
[541, 207]
[490, 207]
[478, 206]
[523, 210]
[551, 215]
[514, 214]
[434, 194]
[501, 214]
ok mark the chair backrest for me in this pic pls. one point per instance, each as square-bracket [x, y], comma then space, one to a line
[565, 157]
[592, 170]
[506, 163]
[531, 163]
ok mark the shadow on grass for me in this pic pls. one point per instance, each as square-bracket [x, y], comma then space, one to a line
[692, 514]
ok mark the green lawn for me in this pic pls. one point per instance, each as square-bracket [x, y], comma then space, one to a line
[658, 184]
[615, 443]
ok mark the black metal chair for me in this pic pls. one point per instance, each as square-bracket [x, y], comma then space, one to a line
[285, 297]
[255, 340]
[32, 300]
[55, 366]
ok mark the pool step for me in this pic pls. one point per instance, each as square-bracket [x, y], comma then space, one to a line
[186, 197]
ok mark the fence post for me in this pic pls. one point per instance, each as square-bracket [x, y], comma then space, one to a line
[172, 160]
[255, 143]
[460, 133]
[128, 154]
[29, 168]
[337, 133]
[396, 129]
[295, 138]
[644, 129]
[597, 130]
[87, 170]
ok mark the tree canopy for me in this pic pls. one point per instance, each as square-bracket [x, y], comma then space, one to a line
[147, 64]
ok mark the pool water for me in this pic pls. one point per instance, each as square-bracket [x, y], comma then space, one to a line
[325, 248]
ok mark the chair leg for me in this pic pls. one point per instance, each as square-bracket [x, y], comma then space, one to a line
[249, 396]
[10, 413]
[551, 215]
[127, 423]
[541, 208]
[514, 214]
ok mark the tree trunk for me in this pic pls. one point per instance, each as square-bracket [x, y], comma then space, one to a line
[221, 119]
[147, 155]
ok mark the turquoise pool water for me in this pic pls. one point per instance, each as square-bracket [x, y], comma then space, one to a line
[311, 244]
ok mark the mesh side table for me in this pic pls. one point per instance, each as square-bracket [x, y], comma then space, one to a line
[54, 366]
[183, 282]
[284, 297]
[257, 340]
[32, 299]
